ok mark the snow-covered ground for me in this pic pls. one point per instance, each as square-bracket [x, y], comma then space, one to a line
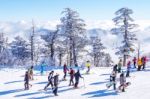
[12, 86]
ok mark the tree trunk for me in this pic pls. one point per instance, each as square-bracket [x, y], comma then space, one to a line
[60, 59]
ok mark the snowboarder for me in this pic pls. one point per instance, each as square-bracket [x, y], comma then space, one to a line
[134, 61]
[139, 64]
[65, 69]
[50, 80]
[128, 69]
[71, 76]
[119, 65]
[42, 67]
[88, 65]
[26, 79]
[112, 80]
[122, 82]
[56, 81]
[77, 76]
[31, 73]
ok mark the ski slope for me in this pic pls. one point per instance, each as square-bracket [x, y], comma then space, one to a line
[12, 85]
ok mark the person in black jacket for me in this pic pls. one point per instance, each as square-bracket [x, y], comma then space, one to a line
[50, 80]
[26, 79]
[113, 79]
[115, 68]
[56, 81]
[77, 76]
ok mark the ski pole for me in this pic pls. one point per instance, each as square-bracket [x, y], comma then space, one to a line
[83, 83]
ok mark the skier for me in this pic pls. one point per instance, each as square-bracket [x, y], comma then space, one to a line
[88, 65]
[50, 80]
[56, 81]
[128, 69]
[71, 76]
[31, 73]
[139, 64]
[115, 68]
[26, 79]
[65, 69]
[77, 77]
[42, 67]
[122, 82]
[119, 65]
[134, 61]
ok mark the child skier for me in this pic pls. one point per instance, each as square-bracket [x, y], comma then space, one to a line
[56, 81]
[50, 80]
[65, 69]
[77, 77]
[128, 69]
[88, 65]
[71, 76]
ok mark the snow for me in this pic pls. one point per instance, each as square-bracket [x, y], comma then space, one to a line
[12, 85]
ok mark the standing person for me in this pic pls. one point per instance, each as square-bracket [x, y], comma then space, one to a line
[26, 79]
[42, 67]
[77, 77]
[113, 79]
[128, 69]
[139, 64]
[88, 65]
[50, 80]
[144, 62]
[65, 69]
[56, 81]
[122, 82]
[115, 68]
[71, 77]
[134, 61]
[31, 73]
[119, 65]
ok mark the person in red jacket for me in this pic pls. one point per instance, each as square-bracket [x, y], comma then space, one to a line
[134, 62]
[65, 69]
[144, 62]
[71, 77]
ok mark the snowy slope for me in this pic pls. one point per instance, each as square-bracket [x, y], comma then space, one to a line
[12, 86]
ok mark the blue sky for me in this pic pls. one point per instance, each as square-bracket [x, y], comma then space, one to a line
[15, 10]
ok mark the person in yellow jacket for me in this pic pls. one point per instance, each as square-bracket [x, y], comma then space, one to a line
[88, 65]
[139, 64]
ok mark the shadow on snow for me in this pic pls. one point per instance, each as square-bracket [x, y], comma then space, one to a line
[13, 82]
[10, 91]
[97, 83]
[101, 93]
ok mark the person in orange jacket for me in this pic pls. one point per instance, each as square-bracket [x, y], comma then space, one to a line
[139, 64]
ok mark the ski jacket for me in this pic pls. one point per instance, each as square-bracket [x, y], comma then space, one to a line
[122, 79]
[56, 80]
[71, 73]
[65, 68]
[77, 76]
[26, 78]
[88, 65]
[139, 62]
[50, 77]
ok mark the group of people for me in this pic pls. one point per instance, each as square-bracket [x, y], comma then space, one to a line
[138, 63]
[53, 78]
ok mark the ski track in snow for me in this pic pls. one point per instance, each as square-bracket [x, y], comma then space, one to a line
[12, 85]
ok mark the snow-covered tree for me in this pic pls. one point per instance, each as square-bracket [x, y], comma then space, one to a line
[73, 29]
[97, 53]
[4, 51]
[50, 39]
[125, 28]
[20, 50]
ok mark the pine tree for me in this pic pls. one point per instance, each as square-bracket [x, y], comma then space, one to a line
[97, 52]
[125, 27]
[73, 29]
[20, 50]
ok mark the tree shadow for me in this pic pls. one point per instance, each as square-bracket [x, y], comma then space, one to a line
[44, 82]
[104, 74]
[27, 94]
[10, 91]
[13, 82]
[43, 97]
[101, 93]
[97, 83]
